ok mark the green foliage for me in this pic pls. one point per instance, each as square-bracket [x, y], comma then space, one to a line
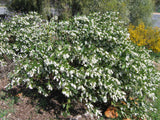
[156, 5]
[141, 10]
[155, 116]
[25, 5]
[69, 8]
[8, 106]
[87, 58]
[133, 11]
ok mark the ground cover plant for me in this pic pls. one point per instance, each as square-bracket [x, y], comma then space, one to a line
[89, 59]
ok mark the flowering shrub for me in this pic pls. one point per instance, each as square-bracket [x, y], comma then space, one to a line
[149, 37]
[88, 58]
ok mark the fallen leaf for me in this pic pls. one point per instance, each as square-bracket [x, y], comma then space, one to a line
[136, 103]
[111, 112]
[124, 103]
[19, 95]
[127, 119]
[130, 98]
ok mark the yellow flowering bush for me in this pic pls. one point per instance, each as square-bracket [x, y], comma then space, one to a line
[145, 36]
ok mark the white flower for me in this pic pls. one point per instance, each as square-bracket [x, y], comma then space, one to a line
[30, 73]
[50, 87]
[94, 60]
[59, 47]
[65, 93]
[110, 71]
[2, 25]
[73, 85]
[65, 56]
[55, 64]
[13, 22]
[78, 48]
[25, 66]
[46, 95]
[48, 62]
[55, 17]
[81, 87]
[62, 69]
[49, 48]
[40, 90]
[86, 74]
[94, 84]
[128, 36]
[71, 72]
[30, 86]
[84, 18]
[73, 34]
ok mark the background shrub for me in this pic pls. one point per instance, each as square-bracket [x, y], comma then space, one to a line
[132, 11]
[87, 58]
[157, 5]
[25, 6]
[148, 37]
[69, 8]
[141, 11]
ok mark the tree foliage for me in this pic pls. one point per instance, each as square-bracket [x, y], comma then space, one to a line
[25, 5]
[133, 11]
[157, 5]
[69, 8]
[140, 11]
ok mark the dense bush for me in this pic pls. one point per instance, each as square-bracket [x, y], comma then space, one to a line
[148, 37]
[88, 59]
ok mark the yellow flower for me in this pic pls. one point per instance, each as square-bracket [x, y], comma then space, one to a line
[142, 36]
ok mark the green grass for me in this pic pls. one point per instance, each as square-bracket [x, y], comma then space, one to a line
[156, 115]
[7, 105]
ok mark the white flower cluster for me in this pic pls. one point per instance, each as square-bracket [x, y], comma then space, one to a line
[88, 56]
